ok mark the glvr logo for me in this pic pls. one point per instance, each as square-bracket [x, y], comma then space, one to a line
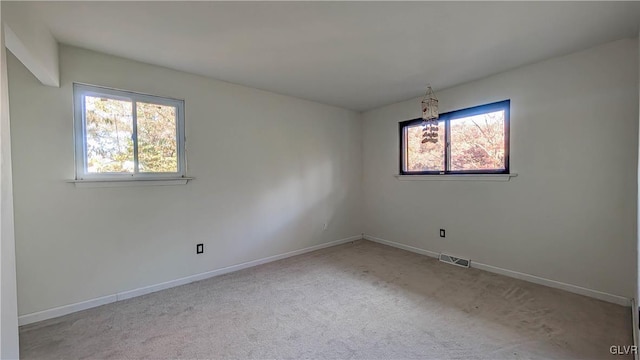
[623, 350]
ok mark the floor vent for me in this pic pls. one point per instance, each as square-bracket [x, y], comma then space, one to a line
[454, 260]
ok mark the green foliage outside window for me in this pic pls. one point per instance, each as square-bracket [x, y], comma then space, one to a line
[110, 142]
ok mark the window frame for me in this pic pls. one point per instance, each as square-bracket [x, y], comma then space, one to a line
[80, 138]
[447, 118]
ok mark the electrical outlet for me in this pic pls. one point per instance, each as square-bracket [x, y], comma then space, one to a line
[442, 233]
[200, 249]
[324, 227]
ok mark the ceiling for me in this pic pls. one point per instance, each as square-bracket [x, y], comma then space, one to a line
[355, 55]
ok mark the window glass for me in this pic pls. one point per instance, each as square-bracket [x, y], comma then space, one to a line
[157, 145]
[477, 142]
[109, 133]
[122, 134]
[473, 140]
[424, 156]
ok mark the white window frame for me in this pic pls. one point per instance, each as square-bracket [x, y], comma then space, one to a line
[82, 90]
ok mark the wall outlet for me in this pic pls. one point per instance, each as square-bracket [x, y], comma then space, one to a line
[442, 233]
[324, 227]
[200, 249]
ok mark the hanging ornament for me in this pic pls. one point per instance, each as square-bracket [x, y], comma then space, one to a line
[430, 117]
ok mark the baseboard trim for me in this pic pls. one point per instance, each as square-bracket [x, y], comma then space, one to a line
[401, 246]
[65, 309]
[84, 305]
[634, 324]
[616, 299]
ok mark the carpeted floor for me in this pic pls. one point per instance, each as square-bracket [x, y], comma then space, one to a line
[361, 300]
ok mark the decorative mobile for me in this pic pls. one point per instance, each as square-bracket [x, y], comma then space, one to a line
[429, 117]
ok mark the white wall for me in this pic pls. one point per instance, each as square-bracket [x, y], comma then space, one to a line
[637, 271]
[635, 309]
[269, 171]
[31, 41]
[9, 346]
[570, 214]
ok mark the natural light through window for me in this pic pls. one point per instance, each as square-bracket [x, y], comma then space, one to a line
[424, 157]
[474, 140]
[109, 134]
[477, 142]
[122, 134]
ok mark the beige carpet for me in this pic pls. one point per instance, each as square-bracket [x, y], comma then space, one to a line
[360, 300]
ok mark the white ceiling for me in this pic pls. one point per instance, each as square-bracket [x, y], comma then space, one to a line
[356, 55]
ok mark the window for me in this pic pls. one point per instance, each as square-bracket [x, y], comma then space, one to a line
[471, 141]
[124, 135]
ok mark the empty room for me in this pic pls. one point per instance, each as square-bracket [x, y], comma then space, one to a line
[319, 180]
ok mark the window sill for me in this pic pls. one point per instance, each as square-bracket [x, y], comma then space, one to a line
[457, 177]
[96, 183]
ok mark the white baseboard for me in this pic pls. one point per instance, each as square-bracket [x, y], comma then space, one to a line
[616, 299]
[401, 246]
[65, 309]
[71, 308]
[634, 323]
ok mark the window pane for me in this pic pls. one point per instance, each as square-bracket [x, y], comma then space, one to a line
[423, 157]
[109, 131]
[157, 140]
[477, 142]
